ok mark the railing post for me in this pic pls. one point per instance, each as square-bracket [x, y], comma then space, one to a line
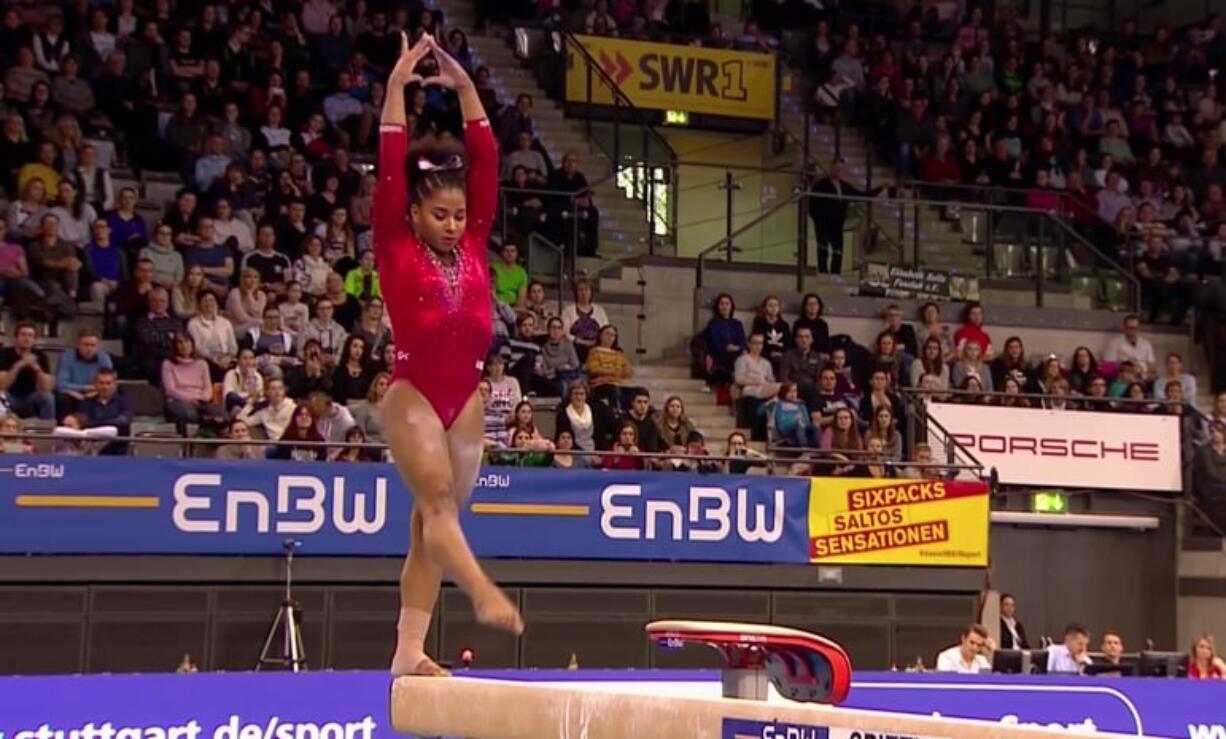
[502, 197]
[989, 244]
[802, 241]
[573, 251]
[915, 260]
[805, 140]
[1041, 262]
[728, 186]
[651, 211]
[902, 229]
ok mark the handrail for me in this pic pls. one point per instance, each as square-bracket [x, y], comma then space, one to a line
[727, 241]
[181, 441]
[536, 238]
[643, 120]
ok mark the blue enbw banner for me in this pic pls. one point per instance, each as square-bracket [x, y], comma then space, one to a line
[116, 505]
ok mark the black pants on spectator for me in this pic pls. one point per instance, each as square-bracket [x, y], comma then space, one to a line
[829, 245]
[1160, 296]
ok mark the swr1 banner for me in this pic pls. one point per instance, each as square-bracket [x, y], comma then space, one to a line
[737, 84]
[1084, 449]
[98, 505]
[898, 522]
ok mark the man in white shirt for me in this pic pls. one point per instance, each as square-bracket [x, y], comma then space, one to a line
[274, 413]
[966, 657]
[1132, 347]
[1073, 655]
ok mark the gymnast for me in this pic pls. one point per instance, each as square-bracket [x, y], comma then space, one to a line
[434, 266]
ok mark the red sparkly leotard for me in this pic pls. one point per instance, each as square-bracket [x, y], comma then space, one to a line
[442, 328]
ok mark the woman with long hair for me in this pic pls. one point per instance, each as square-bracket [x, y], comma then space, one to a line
[355, 435]
[607, 368]
[884, 426]
[1011, 362]
[523, 419]
[673, 426]
[624, 455]
[778, 335]
[843, 435]
[931, 361]
[1203, 660]
[1082, 370]
[725, 336]
[367, 415]
[302, 427]
[185, 297]
[246, 302]
[353, 375]
[432, 414]
[1012, 398]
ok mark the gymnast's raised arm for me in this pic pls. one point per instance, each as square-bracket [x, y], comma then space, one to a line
[482, 151]
[392, 194]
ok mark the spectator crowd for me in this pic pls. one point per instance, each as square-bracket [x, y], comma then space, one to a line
[252, 299]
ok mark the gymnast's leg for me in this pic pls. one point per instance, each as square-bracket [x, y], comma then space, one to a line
[424, 453]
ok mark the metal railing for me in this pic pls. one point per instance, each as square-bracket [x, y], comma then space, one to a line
[1043, 248]
[497, 456]
[635, 150]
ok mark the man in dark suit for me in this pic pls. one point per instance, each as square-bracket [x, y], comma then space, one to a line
[829, 213]
[1012, 633]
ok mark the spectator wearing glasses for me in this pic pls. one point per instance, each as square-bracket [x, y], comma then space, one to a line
[167, 262]
[1130, 346]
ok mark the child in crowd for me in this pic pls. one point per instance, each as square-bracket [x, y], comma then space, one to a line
[791, 418]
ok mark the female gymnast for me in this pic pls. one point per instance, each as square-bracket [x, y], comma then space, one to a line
[436, 266]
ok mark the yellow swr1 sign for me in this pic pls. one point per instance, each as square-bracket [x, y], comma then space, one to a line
[737, 84]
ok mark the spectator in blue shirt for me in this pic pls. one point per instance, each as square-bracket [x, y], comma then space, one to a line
[74, 377]
[108, 407]
[107, 262]
[725, 340]
[128, 229]
[213, 164]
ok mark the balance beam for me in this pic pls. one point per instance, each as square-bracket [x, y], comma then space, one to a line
[506, 709]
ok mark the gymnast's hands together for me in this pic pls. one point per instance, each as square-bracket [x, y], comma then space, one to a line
[403, 73]
[450, 73]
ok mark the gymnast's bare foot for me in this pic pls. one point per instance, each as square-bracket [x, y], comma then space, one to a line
[496, 610]
[423, 667]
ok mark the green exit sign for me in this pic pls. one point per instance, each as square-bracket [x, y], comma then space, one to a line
[1049, 501]
[676, 118]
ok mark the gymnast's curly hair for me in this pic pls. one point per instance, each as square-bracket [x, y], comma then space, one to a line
[435, 162]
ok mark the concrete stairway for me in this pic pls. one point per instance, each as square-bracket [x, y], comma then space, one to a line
[623, 221]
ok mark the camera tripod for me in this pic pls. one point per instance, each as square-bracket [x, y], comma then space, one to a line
[286, 623]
